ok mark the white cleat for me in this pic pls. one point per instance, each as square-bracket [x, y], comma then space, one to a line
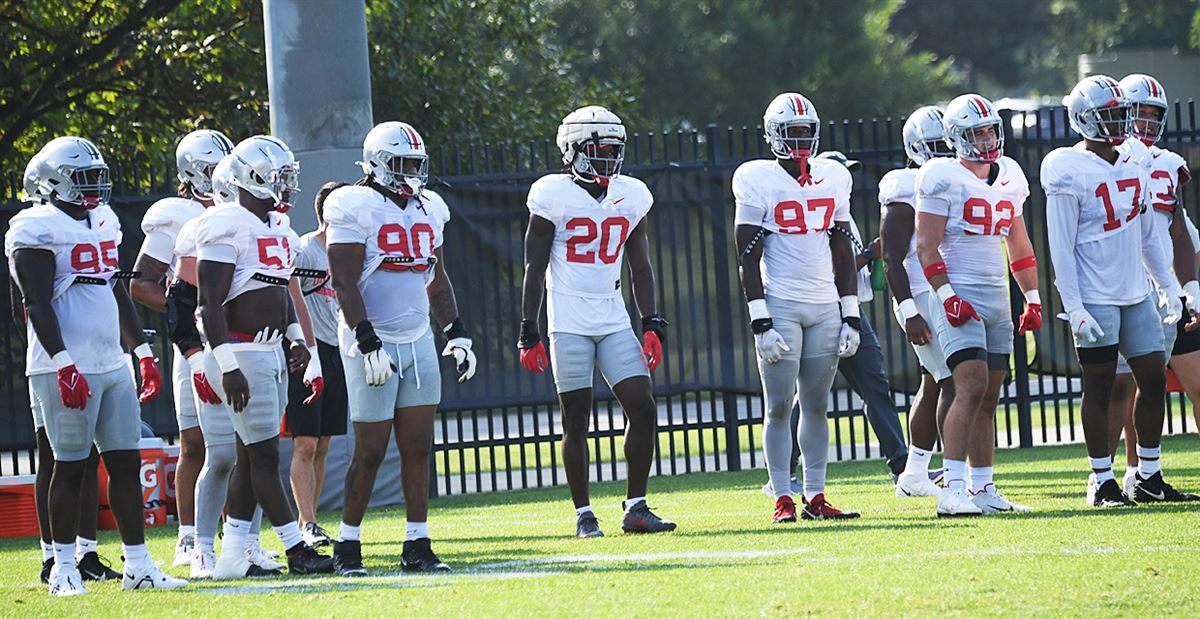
[991, 501]
[231, 565]
[183, 551]
[257, 556]
[149, 576]
[1092, 487]
[955, 503]
[203, 563]
[1128, 483]
[913, 485]
[66, 582]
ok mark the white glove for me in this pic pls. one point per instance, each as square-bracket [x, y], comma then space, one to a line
[848, 340]
[464, 359]
[314, 366]
[1085, 327]
[379, 367]
[1191, 293]
[1174, 310]
[770, 345]
[266, 336]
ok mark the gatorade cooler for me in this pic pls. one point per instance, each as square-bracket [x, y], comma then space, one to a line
[18, 507]
[153, 484]
[169, 465]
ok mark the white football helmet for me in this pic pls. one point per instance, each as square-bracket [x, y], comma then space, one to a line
[592, 142]
[924, 135]
[30, 181]
[266, 168]
[1099, 110]
[72, 170]
[1146, 95]
[394, 154]
[196, 155]
[224, 191]
[965, 121]
[786, 111]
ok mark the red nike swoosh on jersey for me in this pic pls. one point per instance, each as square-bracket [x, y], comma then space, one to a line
[1125, 160]
[618, 200]
[1005, 182]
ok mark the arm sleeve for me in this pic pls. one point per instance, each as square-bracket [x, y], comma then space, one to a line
[1062, 224]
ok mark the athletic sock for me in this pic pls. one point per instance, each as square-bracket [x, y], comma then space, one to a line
[1102, 467]
[579, 511]
[956, 474]
[981, 476]
[136, 556]
[918, 461]
[47, 550]
[205, 543]
[234, 540]
[64, 555]
[289, 534]
[1148, 461]
[186, 530]
[83, 546]
[634, 502]
[349, 533]
[415, 531]
[252, 541]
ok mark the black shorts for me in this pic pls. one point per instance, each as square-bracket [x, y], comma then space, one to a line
[328, 415]
[1186, 341]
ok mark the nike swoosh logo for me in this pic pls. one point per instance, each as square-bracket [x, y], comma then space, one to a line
[1157, 497]
[1155, 155]
[819, 181]
[1125, 160]
[1004, 182]
[618, 200]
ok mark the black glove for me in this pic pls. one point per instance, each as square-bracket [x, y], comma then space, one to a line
[657, 324]
[181, 316]
[529, 335]
[368, 342]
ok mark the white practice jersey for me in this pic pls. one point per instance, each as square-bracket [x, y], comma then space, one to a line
[1099, 236]
[319, 297]
[1166, 172]
[900, 187]
[797, 264]
[583, 278]
[231, 234]
[978, 216]
[395, 299]
[162, 223]
[185, 241]
[87, 312]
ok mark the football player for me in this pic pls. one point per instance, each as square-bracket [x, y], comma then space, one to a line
[196, 155]
[924, 139]
[1168, 174]
[581, 224]
[969, 211]
[1099, 242]
[384, 242]
[91, 567]
[245, 253]
[798, 273]
[63, 254]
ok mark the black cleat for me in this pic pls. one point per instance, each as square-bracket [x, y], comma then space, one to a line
[255, 571]
[1109, 495]
[1155, 490]
[347, 558]
[419, 557]
[92, 567]
[639, 519]
[302, 559]
[47, 565]
[587, 526]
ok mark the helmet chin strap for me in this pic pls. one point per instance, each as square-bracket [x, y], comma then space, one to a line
[801, 158]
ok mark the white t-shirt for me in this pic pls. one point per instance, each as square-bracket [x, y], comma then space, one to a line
[1099, 236]
[796, 263]
[583, 278]
[978, 216]
[319, 297]
[162, 223]
[87, 313]
[231, 234]
[900, 187]
[396, 302]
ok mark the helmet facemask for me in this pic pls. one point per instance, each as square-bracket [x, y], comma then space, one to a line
[598, 160]
[795, 141]
[404, 174]
[90, 186]
[980, 144]
[1148, 123]
[1113, 122]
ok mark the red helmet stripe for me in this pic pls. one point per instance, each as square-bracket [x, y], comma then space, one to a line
[412, 136]
[1153, 86]
[981, 107]
[800, 108]
[1114, 87]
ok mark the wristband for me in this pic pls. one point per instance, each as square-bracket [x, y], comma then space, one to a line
[61, 359]
[758, 310]
[937, 268]
[456, 329]
[849, 306]
[945, 292]
[1028, 262]
[225, 358]
[1032, 297]
[295, 333]
[908, 309]
[1192, 289]
[143, 351]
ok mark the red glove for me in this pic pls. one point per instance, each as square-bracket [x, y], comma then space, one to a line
[534, 359]
[317, 385]
[652, 348]
[204, 390]
[959, 311]
[73, 387]
[151, 379]
[1031, 320]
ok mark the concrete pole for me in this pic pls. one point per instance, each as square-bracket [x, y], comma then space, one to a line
[319, 83]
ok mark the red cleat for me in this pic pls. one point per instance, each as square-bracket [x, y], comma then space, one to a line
[818, 509]
[785, 510]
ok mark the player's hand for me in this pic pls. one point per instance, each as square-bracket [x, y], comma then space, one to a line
[917, 331]
[959, 311]
[200, 385]
[237, 390]
[849, 338]
[378, 367]
[313, 378]
[533, 351]
[73, 387]
[151, 379]
[464, 359]
[1031, 319]
[770, 345]
[652, 349]
[1084, 326]
[298, 357]
[1174, 310]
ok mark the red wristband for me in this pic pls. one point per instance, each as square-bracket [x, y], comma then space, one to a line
[1028, 262]
[937, 268]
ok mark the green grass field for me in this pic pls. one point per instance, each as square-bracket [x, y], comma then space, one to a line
[513, 554]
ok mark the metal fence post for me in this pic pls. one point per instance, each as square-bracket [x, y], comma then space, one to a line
[1020, 354]
[721, 240]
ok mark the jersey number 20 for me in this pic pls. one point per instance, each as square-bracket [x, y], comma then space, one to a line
[588, 230]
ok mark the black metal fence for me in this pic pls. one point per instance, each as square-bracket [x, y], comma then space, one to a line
[501, 430]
